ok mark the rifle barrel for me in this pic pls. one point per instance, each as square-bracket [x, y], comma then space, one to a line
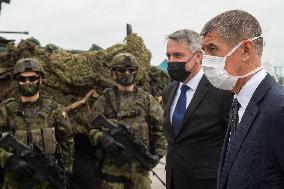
[15, 32]
[159, 178]
[128, 29]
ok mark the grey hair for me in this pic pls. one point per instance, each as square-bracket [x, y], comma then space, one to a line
[234, 26]
[192, 38]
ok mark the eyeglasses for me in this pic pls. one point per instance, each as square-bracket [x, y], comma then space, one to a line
[32, 78]
[123, 70]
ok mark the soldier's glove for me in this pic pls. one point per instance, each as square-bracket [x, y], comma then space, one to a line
[156, 160]
[109, 143]
[18, 166]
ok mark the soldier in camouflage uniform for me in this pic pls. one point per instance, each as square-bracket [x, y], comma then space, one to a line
[128, 104]
[33, 118]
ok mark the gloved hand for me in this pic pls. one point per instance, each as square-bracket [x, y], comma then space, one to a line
[156, 160]
[18, 166]
[109, 143]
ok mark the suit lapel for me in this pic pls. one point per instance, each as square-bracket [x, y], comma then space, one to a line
[197, 97]
[245, 125]
[243, 129]
[172, 93]
[223, 156]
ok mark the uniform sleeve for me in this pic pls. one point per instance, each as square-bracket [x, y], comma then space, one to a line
[65, 137]
[155, 120]
[4, 155]
[99, 107]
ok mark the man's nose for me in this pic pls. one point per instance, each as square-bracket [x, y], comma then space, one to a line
[26, 81]
[170, 59]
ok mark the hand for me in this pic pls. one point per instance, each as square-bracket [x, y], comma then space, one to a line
[18, 166]
[156, 160]
[109, 143]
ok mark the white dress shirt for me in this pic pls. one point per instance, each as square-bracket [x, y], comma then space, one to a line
[248, 90]
[193, 83]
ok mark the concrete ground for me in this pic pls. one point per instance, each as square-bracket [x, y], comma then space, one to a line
[160, 170]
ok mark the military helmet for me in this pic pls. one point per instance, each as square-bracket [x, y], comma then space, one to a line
[28, 64]
[124, 60]
[34, 40]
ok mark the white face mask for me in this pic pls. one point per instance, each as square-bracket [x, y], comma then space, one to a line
[214, 70]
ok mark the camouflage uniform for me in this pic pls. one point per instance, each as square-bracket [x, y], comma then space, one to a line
[44, 122]
[141, 111]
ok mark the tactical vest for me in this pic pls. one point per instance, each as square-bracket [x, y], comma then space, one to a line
[33, 124]
[129, 108]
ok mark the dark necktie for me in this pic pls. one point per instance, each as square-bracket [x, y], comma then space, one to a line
[179, 110]
[233, 124]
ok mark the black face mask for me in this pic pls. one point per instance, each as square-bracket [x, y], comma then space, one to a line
[125, 79]
[29, 89]
[177, 70]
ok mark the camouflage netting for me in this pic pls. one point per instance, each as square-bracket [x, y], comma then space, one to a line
[70, 76]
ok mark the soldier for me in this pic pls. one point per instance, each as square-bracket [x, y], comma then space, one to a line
[33, 118]
[128, 104]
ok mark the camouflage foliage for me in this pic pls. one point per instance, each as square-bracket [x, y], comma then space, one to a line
[71, 75]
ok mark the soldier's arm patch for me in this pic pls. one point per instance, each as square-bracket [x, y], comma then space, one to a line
[64, 114]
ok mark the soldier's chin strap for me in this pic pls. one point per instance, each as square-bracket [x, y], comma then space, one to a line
[157, 176]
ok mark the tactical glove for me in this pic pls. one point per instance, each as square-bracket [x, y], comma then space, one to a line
[109, 143]
[156, 160]
[18, 166]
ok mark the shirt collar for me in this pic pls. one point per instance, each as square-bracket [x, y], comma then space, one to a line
[249, 88]
[193, 82]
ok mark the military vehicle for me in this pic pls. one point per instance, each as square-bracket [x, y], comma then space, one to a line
[76, 78]
[4, 42]
[71, 76]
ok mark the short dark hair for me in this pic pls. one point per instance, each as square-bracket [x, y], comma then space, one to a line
[234, 26]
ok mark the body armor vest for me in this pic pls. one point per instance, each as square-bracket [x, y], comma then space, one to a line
[33, 123]
[129, 108]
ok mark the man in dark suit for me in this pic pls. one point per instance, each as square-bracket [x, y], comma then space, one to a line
[195, 116]
[253, 151]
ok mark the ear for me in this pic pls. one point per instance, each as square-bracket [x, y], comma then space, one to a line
[198, 57]
[248, 50]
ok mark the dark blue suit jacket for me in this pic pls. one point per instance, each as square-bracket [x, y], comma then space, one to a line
[194, 153]
[256, 157]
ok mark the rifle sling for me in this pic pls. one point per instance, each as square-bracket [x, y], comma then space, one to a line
[117, 102]
[116, 107]
[27, 125]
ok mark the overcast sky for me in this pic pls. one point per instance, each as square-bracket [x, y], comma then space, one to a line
[77, 24]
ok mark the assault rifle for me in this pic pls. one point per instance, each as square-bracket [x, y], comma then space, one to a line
[15, 32]
[134, 147]
[43, 166]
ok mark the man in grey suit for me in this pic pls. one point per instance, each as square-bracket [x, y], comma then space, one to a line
[253, 150]
[195, 116]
